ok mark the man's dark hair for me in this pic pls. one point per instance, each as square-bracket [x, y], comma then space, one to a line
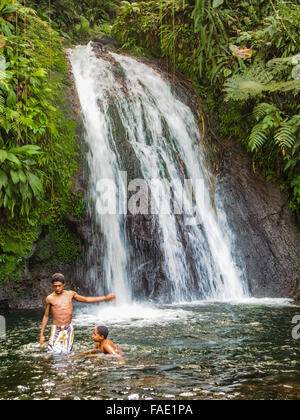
[102, 330]
[58, 277]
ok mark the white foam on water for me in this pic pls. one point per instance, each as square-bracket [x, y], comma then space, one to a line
[134, 314]
[265, 301]
[146, 314]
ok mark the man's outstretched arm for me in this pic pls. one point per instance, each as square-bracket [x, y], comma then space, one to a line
[44, 323]
[83, 299]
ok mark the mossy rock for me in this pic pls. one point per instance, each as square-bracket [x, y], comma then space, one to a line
[11, 268]
[12, 246]
[46, 249]
[18, 237]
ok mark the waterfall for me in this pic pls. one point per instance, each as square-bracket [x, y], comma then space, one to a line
[124, 100]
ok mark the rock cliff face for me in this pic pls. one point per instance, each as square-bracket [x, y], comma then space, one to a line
[267, 235]
[267, 240]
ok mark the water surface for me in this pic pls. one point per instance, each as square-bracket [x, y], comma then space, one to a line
[201, 350]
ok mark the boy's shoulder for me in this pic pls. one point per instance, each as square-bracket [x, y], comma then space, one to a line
[110, 344]
[107, 341]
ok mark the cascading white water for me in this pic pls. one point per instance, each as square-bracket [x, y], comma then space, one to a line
[197, 258]
[94, 80]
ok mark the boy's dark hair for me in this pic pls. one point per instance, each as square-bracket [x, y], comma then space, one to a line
[102, 330]
[58, 277]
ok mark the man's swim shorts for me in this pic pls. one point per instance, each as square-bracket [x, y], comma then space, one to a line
[61, 339]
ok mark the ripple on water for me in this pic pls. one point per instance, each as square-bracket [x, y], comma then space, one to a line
[217, 350]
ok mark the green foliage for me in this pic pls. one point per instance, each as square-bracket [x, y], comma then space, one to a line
[38, 149]
[11, 268]
[244, 53]
[66, 244]
[280, 134]
[269, 119]
[18, 184]
[17, 236]
[75, 20]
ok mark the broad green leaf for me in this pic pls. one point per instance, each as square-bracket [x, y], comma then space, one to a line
[14, 176]
[28, 149]
[9, 9]
[11, 99]
[2, 75]
[35, 184]
[3, 155]
[3, 179]
[5, 203]
[28, 162]
[22, 176]
[13, 158]
[217, 3]
[40, 73]
[9, 189]
[6, 30]
[24, 191]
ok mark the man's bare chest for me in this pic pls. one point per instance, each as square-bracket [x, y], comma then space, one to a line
[61, 303]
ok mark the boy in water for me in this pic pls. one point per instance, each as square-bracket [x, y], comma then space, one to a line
[102, 344]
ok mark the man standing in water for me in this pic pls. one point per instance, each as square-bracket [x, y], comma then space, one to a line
[60, 302]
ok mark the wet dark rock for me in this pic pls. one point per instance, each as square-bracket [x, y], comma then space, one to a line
[4, 304]
[142, 227]
[149, 282]
[36, 285]
[105, 40]
[267, 240]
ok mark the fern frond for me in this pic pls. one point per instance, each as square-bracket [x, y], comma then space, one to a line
[284, 86]
[258, 137]
[263, 109]
[284, 135]
[277, 65]
[249, 84]
[295, 121]
[3, 75]
[293, 60]
[258, 80]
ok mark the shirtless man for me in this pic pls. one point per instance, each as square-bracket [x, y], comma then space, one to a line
[60, 302]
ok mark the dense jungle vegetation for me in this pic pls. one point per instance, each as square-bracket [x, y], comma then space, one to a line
[242, 56]
[38, 153]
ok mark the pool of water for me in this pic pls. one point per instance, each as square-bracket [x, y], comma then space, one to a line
[201, 350]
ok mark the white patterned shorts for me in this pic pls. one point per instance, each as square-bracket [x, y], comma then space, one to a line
[61, 339]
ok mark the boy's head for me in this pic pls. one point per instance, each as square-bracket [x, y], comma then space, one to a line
[58, 282]
[100, 333]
